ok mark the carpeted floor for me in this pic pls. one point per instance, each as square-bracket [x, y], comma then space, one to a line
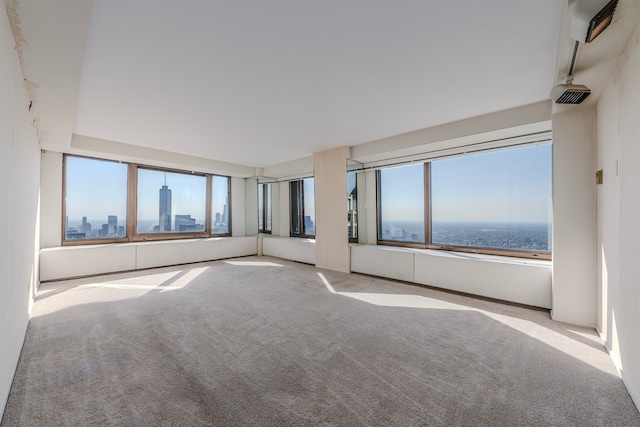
[262, 341]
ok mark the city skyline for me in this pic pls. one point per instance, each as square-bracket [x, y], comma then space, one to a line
[178, 192]
[535, 236]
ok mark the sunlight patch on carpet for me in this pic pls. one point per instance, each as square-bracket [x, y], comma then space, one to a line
[254, 263]
[395, 300]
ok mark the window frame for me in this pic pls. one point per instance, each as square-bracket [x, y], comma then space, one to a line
[299, 211]
[262, 186]
[428, 244]
[426, 206]
[210, 206]
[353, 239]
[172, 235]
[63, 226]
[132, 207]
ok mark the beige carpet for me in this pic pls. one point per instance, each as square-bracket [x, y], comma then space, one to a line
[262, 341]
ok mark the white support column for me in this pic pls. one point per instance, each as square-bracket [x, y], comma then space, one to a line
[371, 208]
[238, 207]
[285, 210]
[332, 239]
[574, 217]
[251, 206]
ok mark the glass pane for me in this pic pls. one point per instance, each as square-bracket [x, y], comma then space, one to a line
[170, 202]
[296, 206]
[494, 200]
[261, 188]
[220, 208]
[96, 199]
[309, 207]
[267, 198]
[352, 205]
[402, 204]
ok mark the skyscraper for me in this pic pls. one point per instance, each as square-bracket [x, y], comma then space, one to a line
[225, 212]
[112, 221]
[165, 208]
[86, 226]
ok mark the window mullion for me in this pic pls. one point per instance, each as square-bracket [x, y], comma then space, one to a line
[427, 202]
[208, 215]
[303, 226]
[378, 206]
[132, 201]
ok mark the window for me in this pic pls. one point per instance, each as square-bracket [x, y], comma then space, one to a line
[401, 207]
[108, 201]
[352, 206]
[170, 202]
[497, 202]
[95, 204]
[264, 207]
[302, 204]
[220, 207]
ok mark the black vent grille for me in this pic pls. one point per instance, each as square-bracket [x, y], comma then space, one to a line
[573, 96]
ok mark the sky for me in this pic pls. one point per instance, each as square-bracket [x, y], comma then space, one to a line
[95, 189]
[511, 185]
[98, 188]
[188, 194]
[351, 181]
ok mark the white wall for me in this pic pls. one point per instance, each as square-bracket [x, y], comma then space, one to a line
[19, 216]
[51, 200]
[574, 217]
[618, 250]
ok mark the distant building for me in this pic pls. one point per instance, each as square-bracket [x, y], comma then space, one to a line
[225, 213]
[165, 209]
[186, 223]
[75, 234]
[309, 226]
[352, 214]
[112, 222]
[86, 226]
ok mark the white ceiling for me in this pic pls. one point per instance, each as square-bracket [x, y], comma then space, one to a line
[257, 82]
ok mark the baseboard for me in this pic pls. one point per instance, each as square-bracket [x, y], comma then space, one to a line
[635, 396]
[3, 403]
[574, 322]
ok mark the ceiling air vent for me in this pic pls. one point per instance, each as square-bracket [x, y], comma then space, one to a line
[570, 94]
